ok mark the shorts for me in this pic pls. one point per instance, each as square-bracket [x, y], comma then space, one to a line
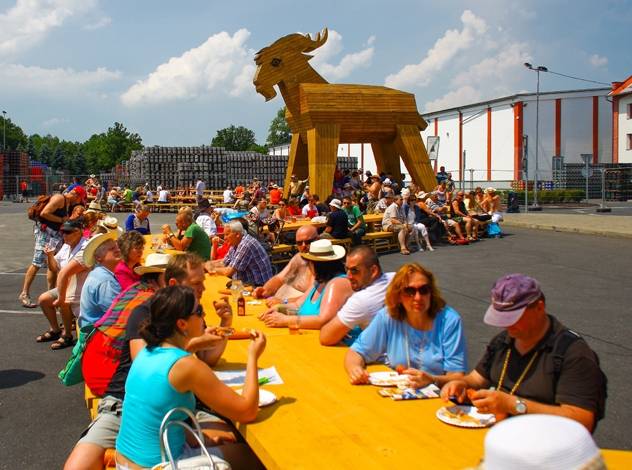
[105, 427]
[395, 228]
[43, 238]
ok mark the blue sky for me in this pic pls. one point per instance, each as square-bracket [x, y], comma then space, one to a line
[176, 72]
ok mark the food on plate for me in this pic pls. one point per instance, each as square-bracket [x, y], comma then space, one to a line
[232, 333]
[458, 414]
[400, 369]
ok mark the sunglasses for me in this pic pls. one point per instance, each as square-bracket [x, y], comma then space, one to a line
[306, 242]
[411, 291]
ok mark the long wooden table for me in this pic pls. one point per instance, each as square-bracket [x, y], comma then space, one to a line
[321, 421]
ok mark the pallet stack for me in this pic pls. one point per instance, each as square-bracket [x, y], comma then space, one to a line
[15, 165]
[179, 167]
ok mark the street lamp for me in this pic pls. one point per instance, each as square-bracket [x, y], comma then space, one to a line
[4, 130]
[537, 69]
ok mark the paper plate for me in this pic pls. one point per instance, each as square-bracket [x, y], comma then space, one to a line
[387, 379]
[465, 416]
[266, 397]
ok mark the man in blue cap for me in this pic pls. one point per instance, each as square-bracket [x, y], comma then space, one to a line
[536, 365]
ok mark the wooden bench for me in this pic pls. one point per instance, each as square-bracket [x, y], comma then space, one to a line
[346, 242]
[381, 241]
[281, 253]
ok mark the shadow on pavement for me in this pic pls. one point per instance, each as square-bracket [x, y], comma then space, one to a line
[11, 378]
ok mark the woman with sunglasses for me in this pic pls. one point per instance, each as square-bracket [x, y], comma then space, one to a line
[164, 376]
[281, 212]
[415, 330]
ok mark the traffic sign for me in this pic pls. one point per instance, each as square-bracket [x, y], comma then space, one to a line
[587, 172]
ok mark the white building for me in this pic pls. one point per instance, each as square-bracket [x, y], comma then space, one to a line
[487, 141]
[622, 121]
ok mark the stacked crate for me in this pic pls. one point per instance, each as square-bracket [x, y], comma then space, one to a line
[15, 166]
[180, 167]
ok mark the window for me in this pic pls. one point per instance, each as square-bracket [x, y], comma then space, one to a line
[629, 142]
[629, 110]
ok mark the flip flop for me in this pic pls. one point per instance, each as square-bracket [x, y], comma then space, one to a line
[48, 336]
[404, 252]
[26, 301]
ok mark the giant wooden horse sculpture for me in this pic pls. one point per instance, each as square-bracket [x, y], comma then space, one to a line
[322, 115]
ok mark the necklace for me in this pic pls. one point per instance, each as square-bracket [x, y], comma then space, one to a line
[522, 375]
[421, 349]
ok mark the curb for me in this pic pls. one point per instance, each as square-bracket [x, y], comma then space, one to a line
[579, 230]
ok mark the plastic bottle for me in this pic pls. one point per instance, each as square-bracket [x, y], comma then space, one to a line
[241, 306]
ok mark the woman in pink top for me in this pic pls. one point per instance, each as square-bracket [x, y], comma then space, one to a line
[131, 245]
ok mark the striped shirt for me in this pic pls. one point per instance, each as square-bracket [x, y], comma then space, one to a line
[250, 261]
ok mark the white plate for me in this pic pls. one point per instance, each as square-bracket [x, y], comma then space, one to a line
[465, 416]
[387, 379]
[266, 397]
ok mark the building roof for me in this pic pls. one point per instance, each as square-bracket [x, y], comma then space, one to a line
[513, 98]
[621, 88]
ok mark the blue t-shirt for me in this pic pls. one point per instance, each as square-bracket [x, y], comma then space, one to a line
[97, 294]
[148, 398]
[437, 351]
[134, 223]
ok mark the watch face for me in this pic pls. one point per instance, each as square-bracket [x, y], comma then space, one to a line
[521, 408]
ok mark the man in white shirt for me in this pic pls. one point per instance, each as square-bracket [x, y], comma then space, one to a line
[149, 196]
[229, 197]
[163, 196]
[260, 212]
[394, 220]
[369, 285]
[200, 187]
[205, 219]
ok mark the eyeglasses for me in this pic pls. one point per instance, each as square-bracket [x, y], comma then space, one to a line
[412, 291]
[306, 242]
[199, 311]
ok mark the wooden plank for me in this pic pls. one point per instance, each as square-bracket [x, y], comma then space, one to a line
[322, 147]
[413, 152]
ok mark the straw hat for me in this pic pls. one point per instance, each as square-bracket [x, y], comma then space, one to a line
[324, 250]
[540, 442]
[490, 190]
[154, 263]
[95, 206]
[110, 224]
[94, 243]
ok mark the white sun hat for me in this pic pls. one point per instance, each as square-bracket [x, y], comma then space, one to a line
[154, 263]
[324, 250]
[540, 442]
[95, 242]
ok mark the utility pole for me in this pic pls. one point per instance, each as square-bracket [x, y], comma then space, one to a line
[538, 69]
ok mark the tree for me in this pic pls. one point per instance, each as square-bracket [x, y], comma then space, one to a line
[45, 154]
[258, 148]
[58, 159]
[13, 134]
[103, 151]
[279, 132]
[234, 138]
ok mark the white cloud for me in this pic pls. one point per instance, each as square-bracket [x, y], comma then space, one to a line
[510, 58]
[461, 96]
[222, 59]
[349, 62]
[29, 21]
[444, 50]
[98, 24]
[54, 121]
[53, 82]
[598, 61]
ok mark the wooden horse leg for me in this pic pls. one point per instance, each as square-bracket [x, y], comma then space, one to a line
[410, 146]
[386, 159]
[296, 164]
[322, 148]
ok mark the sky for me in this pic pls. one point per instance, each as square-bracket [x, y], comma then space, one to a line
[177, 71]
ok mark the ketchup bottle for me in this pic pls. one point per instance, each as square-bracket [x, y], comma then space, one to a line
[241, 306]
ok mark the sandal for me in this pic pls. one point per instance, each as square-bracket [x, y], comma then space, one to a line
[404, 252]
[48, 336]
[62, 343]
[26, 301]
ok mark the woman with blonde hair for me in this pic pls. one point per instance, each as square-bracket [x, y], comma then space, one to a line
[416, 330]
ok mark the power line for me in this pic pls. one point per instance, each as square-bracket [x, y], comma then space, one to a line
[577, 78]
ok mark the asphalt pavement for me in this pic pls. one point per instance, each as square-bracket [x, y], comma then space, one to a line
[586, 280]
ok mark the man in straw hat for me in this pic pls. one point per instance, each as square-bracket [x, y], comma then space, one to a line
[536, 365]
[101, 287]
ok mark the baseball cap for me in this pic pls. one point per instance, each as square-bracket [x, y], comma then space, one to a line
[79, 191]
[71, 225]
[335, 203]
[511, 295]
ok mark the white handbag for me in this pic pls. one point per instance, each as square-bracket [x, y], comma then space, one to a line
[204, 461]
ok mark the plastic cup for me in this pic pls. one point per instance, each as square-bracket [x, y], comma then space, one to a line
[294, 324]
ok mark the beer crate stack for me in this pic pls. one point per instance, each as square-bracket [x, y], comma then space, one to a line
[180, 167]
[15, 166]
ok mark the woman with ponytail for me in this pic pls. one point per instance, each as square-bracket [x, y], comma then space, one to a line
[164, 376]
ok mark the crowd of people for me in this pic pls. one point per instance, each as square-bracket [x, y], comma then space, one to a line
[141, 324]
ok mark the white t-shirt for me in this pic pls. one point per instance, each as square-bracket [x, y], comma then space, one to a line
[200, 186]
[75, 283]
[228, 196]
[163, 195]
[149, 196]
[363, 305]
[207, 223]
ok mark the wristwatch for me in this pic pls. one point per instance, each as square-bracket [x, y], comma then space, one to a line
[520, 407]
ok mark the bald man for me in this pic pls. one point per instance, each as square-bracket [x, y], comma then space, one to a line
[296, 278]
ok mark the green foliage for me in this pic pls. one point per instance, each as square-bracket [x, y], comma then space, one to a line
[234, 138]
[259, 148]
[45, 154]
[13, 135]
[279, 132]
[58, 159]
[552, 196]
[103, 151]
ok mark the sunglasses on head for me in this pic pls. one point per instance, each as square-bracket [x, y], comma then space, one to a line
[411, 291]
[306, 242]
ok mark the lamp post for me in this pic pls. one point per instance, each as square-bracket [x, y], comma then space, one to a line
[537, 69]
[4, 130]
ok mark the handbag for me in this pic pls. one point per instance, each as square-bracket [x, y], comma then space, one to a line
[72, 374]
[204, 461]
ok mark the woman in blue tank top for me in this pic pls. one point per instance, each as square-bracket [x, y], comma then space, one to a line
[164, 376]
[330, 290]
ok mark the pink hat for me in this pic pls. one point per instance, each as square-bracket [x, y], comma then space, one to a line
[511, 295]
